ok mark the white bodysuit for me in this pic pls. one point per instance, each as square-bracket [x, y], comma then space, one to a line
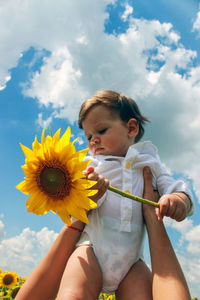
[116, 229]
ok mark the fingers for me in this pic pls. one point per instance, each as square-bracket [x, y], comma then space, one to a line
[101, 185]
[171, 206]
[92, 176]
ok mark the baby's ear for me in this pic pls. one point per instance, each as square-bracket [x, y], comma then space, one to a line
[133, 128]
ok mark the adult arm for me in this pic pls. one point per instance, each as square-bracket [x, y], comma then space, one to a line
[44, 281]
[168, 278]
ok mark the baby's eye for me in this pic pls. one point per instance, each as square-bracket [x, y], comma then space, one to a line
[89, 137]
[102, 131]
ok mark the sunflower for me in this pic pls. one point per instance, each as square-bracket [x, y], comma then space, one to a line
[4, 294]
[54, 178]
[8, 279]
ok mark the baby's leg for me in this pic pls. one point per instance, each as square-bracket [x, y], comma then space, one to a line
[82, 278]
[137, 284]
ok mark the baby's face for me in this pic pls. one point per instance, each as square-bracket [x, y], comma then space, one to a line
[107, 134]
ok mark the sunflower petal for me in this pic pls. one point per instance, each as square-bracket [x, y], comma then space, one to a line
[43, 137]
[23, 187]
[79, 214]
[37, 203]
[64, 190]
[56, 136]
[65, 138]
[27, 152]
[81, 200]
[36, 145]
[64, 215]
[83, 153]
[84, 183]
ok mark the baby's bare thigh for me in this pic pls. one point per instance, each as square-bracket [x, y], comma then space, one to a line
[137, 284]
[82, 278]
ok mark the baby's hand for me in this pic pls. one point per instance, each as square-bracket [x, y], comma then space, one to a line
[101, 185]
[175, 206]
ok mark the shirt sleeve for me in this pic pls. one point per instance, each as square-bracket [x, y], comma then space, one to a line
[166, 184]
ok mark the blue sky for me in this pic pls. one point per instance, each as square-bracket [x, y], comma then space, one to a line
[55, 54]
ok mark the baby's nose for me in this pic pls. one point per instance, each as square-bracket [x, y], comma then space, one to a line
[95, 139]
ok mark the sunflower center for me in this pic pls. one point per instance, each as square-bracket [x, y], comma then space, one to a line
[8, 279]
[54, 180]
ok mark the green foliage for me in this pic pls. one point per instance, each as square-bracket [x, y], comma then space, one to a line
[104, 296]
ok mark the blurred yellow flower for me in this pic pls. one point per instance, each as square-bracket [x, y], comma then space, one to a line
[54, 178]
[25, 278]
[8, 279]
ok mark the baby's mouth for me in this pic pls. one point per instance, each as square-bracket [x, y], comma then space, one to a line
[98, 150]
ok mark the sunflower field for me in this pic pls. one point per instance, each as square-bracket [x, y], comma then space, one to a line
[11, 282]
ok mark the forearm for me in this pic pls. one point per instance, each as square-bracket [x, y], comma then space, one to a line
[166, 270]
[45, 279]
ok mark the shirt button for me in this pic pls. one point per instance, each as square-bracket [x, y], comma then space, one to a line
[128, 165]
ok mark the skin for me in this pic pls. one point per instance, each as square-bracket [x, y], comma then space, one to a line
[78, 268]
[44, 281]
[103, 128]
[168, 278]
[103, 138]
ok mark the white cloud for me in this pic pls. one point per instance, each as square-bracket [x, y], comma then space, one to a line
[43, 123]
[183, 227]
[193, 237]
[187, 250]
[46, 25]
[23, 253]
[147, 62]
[196, 25]
[4, 81]
[2, 233]
[191, 268]
[127, 12]
[55, 80]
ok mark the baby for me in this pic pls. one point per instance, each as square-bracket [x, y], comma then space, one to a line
[110, 250]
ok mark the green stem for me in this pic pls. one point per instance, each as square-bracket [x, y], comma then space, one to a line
[50, 130]
[133, 197]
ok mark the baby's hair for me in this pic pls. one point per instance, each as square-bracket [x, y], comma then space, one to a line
[123, 105]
